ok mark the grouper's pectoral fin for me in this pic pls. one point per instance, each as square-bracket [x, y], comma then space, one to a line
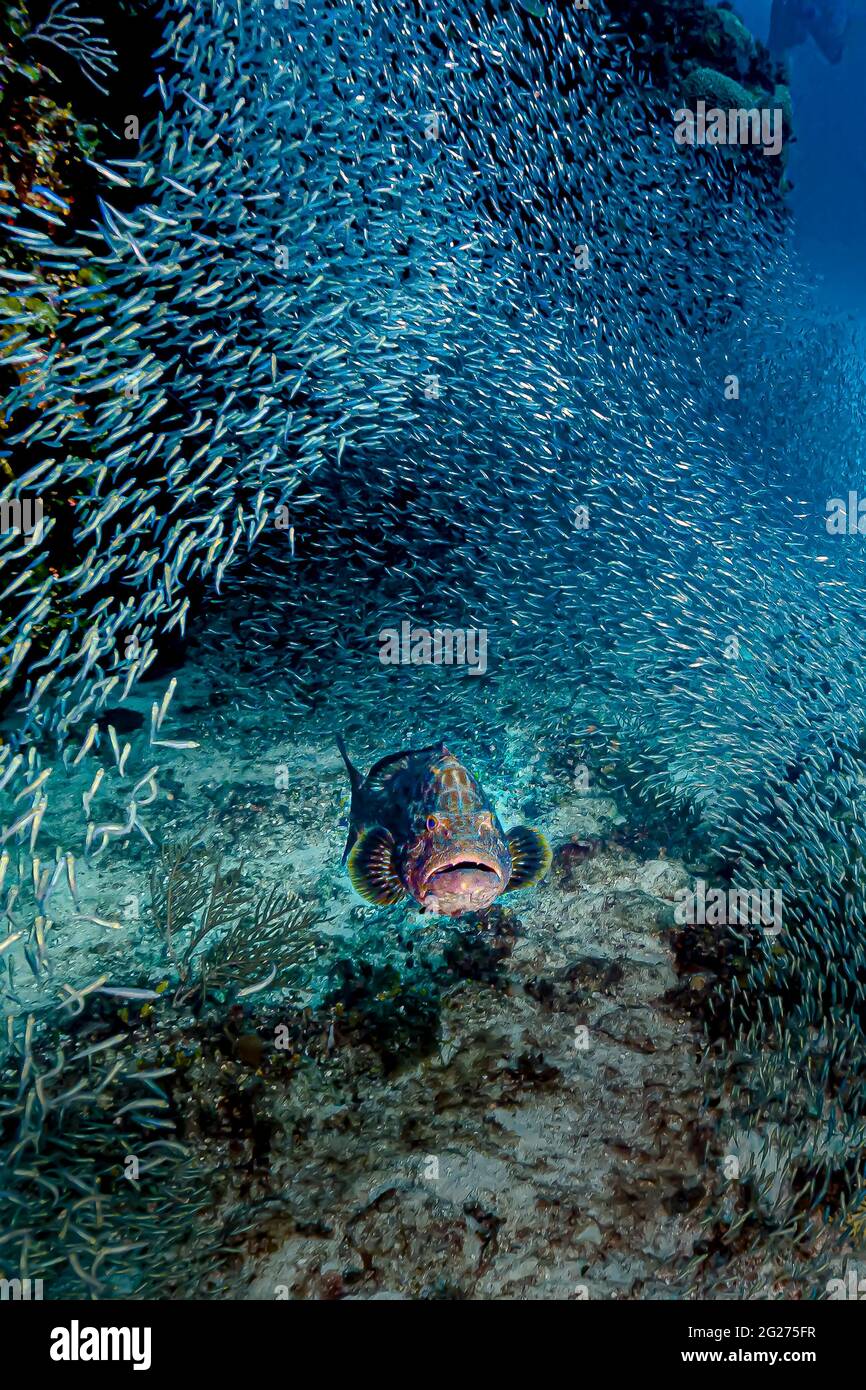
[530, 857]
[372, 868]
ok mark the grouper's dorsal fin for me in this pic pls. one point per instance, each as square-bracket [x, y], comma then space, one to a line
[354, 775]
[396, 762]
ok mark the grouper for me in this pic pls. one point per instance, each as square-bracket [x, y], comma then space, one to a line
[421, 827]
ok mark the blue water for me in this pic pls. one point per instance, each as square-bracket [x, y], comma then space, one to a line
[827, 164]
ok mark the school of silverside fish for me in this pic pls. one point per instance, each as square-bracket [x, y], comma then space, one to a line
[412, 312]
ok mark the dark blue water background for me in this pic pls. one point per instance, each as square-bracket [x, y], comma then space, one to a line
[827, 160]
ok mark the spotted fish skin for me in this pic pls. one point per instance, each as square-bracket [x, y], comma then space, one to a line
[422, 826]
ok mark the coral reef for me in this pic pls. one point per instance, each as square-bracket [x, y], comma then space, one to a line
[676, 36]
[56, 122]
[217, 937]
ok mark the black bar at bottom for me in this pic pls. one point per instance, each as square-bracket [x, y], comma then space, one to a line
[255, 1339]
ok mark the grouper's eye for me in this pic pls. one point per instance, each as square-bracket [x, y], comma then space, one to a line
[434, 823]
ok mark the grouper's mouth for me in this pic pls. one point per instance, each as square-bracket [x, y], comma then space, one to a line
[470, 860]
[464, 882]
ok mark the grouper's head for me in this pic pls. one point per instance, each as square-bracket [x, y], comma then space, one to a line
[458, 864]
